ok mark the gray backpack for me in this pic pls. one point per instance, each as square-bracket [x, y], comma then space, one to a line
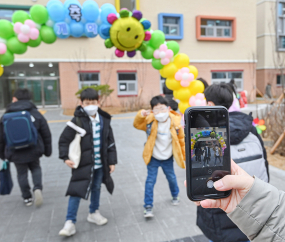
[249, 156]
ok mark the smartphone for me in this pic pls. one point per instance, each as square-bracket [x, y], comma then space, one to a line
[207, 145]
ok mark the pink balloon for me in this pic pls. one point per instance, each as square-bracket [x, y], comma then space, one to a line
[164, 61]
[112, 17]
[119, 53]
[23, 38]
[200, 96]
[17, 27]
[163, 47]
[184, 83]
[3, 48]
[169, 54]
[197, 102]
[185, 70]
[147, 36]
[204, 103]
[156, 54]
[178, 76]
[192, 101]
[34, 34]
[191, 77]
[30, 23]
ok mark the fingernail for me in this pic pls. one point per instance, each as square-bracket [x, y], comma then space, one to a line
[219, 184]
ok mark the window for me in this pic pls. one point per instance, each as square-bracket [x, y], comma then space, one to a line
[89, 79]
[171, 25]
[281, 25]
[127, 83]
[7, 12]
[162, 81]
[278, 80]
[215, 28]
[129, 4]
[226, 76]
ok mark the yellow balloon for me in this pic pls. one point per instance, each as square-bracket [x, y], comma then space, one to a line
[169, 70]
[181, 60]
[1, 70]
[194, 71]
[196, 87]
[175, 94]
[183, 106]
[172, 84]
[183, 94]
[262, 127]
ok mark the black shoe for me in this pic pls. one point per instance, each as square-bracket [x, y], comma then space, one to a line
[28, 202]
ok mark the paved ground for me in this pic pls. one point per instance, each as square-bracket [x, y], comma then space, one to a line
[123, 209]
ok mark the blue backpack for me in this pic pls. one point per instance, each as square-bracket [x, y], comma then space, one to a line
[19, 130]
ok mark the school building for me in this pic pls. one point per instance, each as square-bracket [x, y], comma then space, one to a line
[219, 37]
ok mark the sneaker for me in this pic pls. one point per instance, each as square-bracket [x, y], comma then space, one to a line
[96, 218]
[175, 201]
[38, 197]
[68, 229]
[203, 166]
[28, 202]
[148, 212]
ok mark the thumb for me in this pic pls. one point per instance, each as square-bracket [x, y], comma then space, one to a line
[234, 182]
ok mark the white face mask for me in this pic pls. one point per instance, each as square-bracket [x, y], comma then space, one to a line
[91, 110]
[161, 117]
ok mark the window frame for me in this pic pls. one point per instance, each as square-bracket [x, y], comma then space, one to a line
[15, 7]
[280, 85]
[279, 19]
[161, 83]
[81, 84]
[181, 25]
[199, 37]
[227, 79]
[127, 93]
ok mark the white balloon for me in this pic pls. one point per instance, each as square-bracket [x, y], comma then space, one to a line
[25, 29]
[162, 54]
[185, 76]
[198, 102]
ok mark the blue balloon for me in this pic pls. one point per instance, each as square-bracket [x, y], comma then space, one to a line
[101, 34]
[107, 5]
[56, 11]
[91, 30]
[105, 12]
[76, 29]
[68, 2]
[73, 11]
[50, 2]
[61, 30]
[90, 10]
[105, 30]
[146, 24]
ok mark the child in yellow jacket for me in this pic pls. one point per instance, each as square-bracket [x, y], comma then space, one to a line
[165, 142]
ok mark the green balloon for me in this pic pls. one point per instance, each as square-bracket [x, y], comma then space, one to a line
[174, 46]
[15, 46]
[47, 34]
[20, 16]
[156, 64]
[259, 131]
[148, 53]
[157, 39]
[35, 43]
[39, 14]
[7, 59]
[6, 29]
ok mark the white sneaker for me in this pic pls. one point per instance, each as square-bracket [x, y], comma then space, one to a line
[96, 218]
[38, 198]
[68, 229]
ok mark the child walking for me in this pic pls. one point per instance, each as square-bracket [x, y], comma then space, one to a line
[165, 142]
[98, 159]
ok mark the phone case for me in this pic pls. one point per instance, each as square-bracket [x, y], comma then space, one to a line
[188, 152]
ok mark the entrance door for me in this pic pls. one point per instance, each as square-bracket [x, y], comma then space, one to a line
[35, 86]
[51, 92]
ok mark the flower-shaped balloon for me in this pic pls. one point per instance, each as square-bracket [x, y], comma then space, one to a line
[3, 48]
[259, 125]
[26, 31]
[164, 54]
[184, 76]
[197, 100]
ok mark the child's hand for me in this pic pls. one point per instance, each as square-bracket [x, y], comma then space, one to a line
[69, 163]
[112, 168]
[146, 112]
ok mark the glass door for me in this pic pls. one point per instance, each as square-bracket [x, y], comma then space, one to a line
[35, 86]
[51, 92]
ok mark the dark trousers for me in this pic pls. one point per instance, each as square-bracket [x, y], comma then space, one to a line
[217, 157]
[22, 174]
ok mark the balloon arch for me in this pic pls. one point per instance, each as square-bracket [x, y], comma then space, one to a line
[126, 31]
[206, 134]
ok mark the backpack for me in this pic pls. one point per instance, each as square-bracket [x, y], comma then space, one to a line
[19, 130]
[248, 154]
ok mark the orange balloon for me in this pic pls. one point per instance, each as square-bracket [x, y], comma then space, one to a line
[261, 122]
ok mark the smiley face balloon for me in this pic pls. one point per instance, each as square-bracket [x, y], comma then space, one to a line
[127, 33]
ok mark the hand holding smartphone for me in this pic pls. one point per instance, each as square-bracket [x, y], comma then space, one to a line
[208, 156]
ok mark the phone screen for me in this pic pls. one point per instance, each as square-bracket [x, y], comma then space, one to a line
[210, 151]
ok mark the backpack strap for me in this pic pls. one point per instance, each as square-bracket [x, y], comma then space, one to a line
[78, 122]
[148, 129]
[77, 126]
